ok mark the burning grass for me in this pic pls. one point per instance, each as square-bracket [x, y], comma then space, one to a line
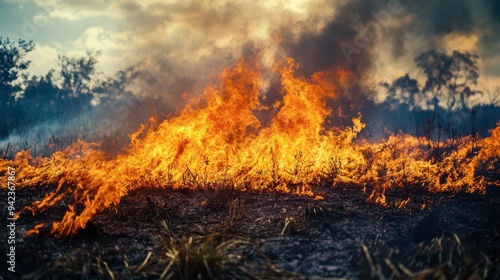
[217, 141]
[214, 194]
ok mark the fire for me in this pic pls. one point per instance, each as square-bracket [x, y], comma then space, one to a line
[34, 230]
[217, 141]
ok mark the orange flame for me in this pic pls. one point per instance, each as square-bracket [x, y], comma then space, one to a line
[34, 230]
[218, 141]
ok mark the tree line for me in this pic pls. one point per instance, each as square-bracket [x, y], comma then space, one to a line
[76, 89]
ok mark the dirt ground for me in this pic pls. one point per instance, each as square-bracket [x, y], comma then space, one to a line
[342, 236]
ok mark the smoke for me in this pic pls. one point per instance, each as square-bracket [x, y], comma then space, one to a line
[178, 47]
[188, 43]
[183, 45]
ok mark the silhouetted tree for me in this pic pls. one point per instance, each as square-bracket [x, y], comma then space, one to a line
[449, 77]
[448, 82]
[403, 90]
[76, 76]
[39, 101]
[447, 89]
[12, 63]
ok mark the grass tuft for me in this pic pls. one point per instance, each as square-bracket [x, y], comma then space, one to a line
[440, 258]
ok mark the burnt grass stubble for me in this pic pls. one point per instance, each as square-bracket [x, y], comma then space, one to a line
[342, 236]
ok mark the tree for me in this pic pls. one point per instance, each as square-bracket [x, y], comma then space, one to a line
[448, 82]
[449, 77]
[403, 90]
[39, 99]
[12, 63]
[76, 78]
[447, 89]
[76, 74]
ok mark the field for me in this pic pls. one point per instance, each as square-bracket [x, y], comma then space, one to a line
[228, 234]
[217, 193]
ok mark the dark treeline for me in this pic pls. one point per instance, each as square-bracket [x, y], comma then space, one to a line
[75, 101]
[441, 106]
[445, 104]
[46, 113]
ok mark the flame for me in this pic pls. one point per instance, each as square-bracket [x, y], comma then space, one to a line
[34, 230]
[217, 141]
[404, 203]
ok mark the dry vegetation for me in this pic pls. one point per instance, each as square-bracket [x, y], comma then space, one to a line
[228, 234]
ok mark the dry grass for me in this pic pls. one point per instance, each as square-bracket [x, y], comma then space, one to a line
[441, 258]
[89, 264]
[235, 216]
[214, 256]
[293, 221]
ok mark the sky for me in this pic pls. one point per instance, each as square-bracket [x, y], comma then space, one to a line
[185, 40]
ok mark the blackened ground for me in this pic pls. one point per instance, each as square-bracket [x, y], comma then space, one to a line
[342, 236]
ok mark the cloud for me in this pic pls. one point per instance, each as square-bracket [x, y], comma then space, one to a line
[43, 58]
[76, 10]
[188, 31]
[96, 37]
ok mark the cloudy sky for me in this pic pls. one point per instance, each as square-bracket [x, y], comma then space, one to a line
[122, 30]
[190, 38]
